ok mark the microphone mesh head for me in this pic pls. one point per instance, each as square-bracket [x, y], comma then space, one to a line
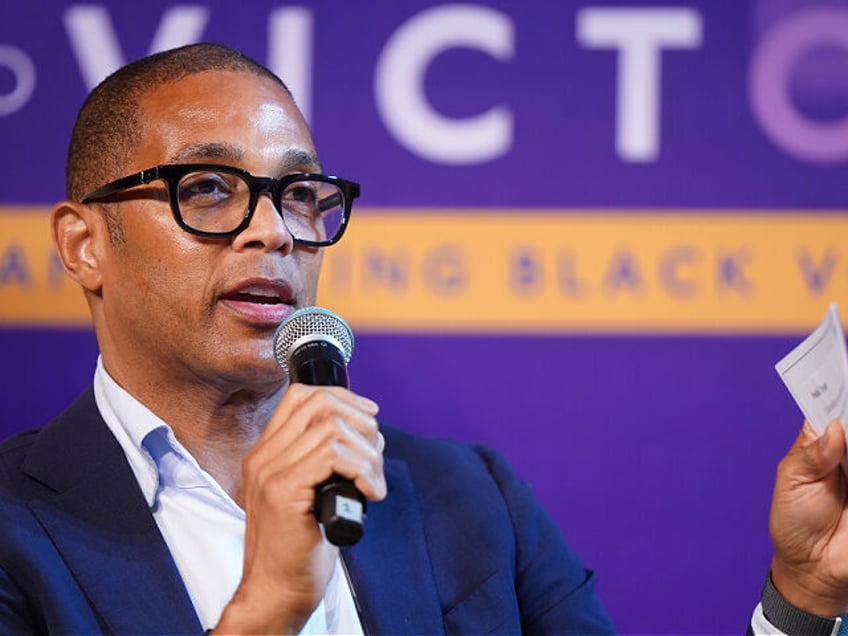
[311, 322]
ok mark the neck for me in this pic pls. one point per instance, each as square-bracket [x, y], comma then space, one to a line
[220, 432]
[217, 422]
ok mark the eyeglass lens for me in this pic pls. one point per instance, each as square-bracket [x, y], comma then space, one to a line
[211, 201]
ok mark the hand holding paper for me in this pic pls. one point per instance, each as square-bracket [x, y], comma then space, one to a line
[816, 373]
[809, 516]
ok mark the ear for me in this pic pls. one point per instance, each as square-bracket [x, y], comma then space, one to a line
[78, 234]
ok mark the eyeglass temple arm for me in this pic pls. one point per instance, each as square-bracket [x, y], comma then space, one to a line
[330, 202]
[131, 181]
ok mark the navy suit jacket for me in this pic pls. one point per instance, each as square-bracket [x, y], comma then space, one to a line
[458, 546]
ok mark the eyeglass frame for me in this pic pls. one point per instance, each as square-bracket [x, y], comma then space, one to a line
[172, 173]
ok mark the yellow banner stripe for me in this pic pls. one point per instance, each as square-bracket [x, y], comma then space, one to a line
[526, 271]
[34, 290]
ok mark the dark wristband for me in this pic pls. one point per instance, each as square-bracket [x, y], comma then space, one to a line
[793, 620]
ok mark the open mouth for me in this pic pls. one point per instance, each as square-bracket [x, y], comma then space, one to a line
[262, 297]
[265, 302]
[261, 293]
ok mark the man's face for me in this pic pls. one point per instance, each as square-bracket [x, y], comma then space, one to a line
[180, 307]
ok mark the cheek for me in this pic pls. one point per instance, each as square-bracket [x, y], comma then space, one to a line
[167, 283]
[310, 267]
[183, 284]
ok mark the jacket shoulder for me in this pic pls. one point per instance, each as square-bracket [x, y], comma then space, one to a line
[415, 450]
[456, 465]
[50, 440]
[13, 451]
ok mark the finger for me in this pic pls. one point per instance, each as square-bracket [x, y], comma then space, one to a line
[832, 446]
[300, 398]
[328, 444]
[329, 431]
[365, 472]
[319, 410]
[314, 460]
[819, 455]
[336, 447]
[296, 393]
[327, 404]
[364, 467]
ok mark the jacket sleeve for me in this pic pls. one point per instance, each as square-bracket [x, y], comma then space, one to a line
[555, 592]
[15, 616]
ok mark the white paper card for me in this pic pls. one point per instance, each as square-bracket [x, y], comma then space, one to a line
[816, 373]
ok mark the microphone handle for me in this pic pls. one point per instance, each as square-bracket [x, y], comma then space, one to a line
[339, 506]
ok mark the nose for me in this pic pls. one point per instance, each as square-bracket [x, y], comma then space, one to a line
[267, 229]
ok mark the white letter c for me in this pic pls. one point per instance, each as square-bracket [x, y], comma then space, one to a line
[399, 84]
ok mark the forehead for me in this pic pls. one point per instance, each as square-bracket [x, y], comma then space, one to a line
[251, 116]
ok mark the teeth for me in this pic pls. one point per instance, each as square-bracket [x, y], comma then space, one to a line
[260, 291]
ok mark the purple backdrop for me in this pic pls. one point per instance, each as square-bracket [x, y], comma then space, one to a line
[655, 454]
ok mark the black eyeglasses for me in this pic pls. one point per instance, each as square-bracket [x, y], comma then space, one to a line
[219, 201]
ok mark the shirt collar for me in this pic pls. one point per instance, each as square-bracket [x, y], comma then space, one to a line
[155, 456]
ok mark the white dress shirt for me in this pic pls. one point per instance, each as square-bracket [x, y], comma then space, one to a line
[201, 524]
[760, 625]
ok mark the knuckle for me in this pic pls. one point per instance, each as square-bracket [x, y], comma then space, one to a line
[250, 465]
[370, 427]
[330, 451]
[322, 402]
[373, 456]
[297, 390]
[331, 427]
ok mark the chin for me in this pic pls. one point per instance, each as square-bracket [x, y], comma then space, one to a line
[246, 366]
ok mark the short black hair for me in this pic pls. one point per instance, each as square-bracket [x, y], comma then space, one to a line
[107, 126]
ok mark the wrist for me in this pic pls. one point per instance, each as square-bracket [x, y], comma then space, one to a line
[808, 592]
[241, 617]
[792, 620]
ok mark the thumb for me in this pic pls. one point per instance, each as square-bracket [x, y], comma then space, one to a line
[821, 456]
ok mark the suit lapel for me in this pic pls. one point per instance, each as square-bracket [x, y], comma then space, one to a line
[99, 521]
[95, 514]
[390, 568]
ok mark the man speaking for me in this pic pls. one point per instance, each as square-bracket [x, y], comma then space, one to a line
[176, 495]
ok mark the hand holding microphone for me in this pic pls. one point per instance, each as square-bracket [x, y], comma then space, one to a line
[314, 345]
[314, 432]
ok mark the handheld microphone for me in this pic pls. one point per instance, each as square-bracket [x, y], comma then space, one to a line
[313, 345]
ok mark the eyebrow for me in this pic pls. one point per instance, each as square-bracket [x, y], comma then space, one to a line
[298, 159]
[211, 150]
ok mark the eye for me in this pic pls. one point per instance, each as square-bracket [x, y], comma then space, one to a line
[208, 188]
[301, 192]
